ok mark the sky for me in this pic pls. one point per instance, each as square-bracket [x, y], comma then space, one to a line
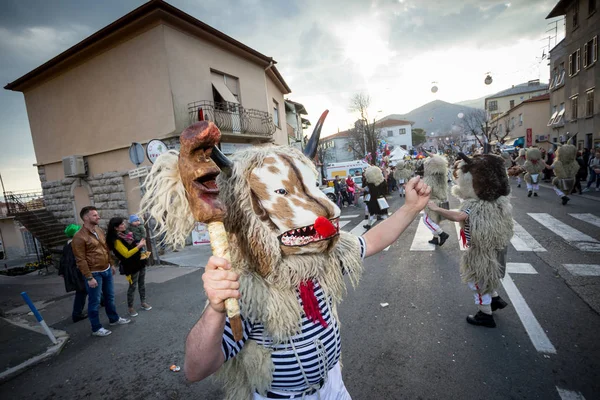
[327, 51]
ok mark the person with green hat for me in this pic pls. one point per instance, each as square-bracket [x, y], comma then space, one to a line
[72, 276]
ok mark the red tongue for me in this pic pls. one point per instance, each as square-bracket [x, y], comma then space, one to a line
[324, 227]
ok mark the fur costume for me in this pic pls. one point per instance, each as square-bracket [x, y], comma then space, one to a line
[377, 188]
[272, 213]
[507, 160]
[565, 168]
[403, 171]
[436, 176]
[533, 165]
[482, 184]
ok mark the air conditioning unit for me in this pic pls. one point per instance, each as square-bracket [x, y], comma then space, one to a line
[74, 166]
[542, 138]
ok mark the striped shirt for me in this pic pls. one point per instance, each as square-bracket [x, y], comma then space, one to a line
[317, 348]
[467, 227]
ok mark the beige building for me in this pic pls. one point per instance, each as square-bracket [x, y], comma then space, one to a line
[146, 76]
[531, 114]
[503, 101]
[575, 112]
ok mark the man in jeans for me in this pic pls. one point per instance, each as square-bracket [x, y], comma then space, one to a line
[594, 166]
[92, 257]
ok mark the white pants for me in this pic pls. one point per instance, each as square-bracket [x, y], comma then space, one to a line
[333, 389]
[481, 299]
[432, 226]
[558, 191]
[535, 187]
[519, 179]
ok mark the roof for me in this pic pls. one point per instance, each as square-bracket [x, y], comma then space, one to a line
[527, 87]
[153, 8]
[392, 122]
[342, 134]
[536, 99]
[299, 107]
[560, 8]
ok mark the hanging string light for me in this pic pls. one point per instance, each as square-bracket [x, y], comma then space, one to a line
[488, 79]
[434, 88]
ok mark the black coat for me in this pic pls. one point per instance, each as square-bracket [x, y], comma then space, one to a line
[67, 267]
[132, 264]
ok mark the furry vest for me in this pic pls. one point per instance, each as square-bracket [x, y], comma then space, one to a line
[403, 173]
[531, 168]
[439, 192]
[491, 228]
[564, 171]
[273, 302]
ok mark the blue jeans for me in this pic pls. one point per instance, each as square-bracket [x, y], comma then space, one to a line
[79, 303]
[594, 177]
[105, 288]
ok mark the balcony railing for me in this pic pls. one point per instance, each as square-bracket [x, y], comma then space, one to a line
[18, 202]
[232, 117]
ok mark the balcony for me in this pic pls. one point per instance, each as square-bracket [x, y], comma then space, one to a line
[233, 119]
[17, 202]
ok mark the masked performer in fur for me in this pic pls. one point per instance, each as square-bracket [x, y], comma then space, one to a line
[520, 165]
[565, 168]
[533, 168]
[487, 227]
[288, 261]
[402, 174]
[436, 177]
[376, 196]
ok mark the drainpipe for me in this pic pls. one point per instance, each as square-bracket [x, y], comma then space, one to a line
[271, 64]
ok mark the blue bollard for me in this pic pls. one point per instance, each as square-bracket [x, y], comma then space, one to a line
[38, 316]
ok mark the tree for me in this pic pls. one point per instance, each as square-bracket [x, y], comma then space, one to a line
[365, 137]
[503, 128]
[418, 137]
[323, 157]
[478, 124]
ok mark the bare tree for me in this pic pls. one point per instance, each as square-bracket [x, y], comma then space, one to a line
[324, 154]
[502, 128]
[478, 124]
[365, 136]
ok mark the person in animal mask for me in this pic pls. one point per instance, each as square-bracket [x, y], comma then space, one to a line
[377, 205]
[486, 222]
[533, 168]
[565, 168]
[402, 175]
[435, 176]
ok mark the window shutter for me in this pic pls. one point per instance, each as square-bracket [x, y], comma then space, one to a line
[595, 49]
[585, 55]
[570, 64]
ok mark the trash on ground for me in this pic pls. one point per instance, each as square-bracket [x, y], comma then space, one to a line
[385, 304]
[175, 368]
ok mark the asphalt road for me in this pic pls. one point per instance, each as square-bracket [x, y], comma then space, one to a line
[418, 347]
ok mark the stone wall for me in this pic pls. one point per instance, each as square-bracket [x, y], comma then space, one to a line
[58, 199]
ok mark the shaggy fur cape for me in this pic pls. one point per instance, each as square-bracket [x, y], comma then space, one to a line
[402, 171]
[565, 165]
[436, 176]
[272, 299]
[533, 154]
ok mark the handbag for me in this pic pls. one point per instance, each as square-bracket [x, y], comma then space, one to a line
[367, 197]
[383, 204]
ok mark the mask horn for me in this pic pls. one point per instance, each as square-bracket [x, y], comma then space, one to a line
[465, 158]
[222, 161]
[313, 143]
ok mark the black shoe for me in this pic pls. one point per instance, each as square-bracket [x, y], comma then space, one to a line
[498, 303]
[529, 194]
[367, 226]
[80, 317]
[565, 200]
[535, 194]
[443, 237]
[482, 319]
[519, 185]
[434, 240]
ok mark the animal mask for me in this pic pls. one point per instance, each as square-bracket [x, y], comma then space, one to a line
[435, 164]
[533, 154]
[373, 175]
[482, 176]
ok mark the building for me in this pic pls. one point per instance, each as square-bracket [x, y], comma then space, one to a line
[295, 123]
[146, 76]
[575, 112]
[336, 148]
[396, 132]
[529, 116]
[504, 100]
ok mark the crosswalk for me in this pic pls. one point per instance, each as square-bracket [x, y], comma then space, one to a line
[522, 241]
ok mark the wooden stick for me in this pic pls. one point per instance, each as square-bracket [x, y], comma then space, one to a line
[220, 248]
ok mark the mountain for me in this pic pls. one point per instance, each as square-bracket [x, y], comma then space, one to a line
[475, 103]
[436, 116]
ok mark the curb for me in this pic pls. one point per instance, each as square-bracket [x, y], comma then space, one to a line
[61, 336]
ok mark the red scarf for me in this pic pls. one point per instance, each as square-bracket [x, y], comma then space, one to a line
[310, 303]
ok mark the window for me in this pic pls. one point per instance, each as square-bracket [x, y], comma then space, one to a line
[512, 122]
[590, 52]
[574, 108]
[591, 7]
[560, 115]
[553, 116]
[589, 103]
[512, 103]
[225, 89]
[561, 77]
[276, 114]
[520, 119]
[574, 62]
[403, 131]
[500, 128]
[575, 15]
[493, 105]
[390, 133]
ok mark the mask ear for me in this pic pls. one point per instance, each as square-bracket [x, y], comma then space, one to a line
[224, 163]
[313, 143]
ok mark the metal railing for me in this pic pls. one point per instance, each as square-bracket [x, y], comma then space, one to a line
[18, 202]
[232, 117]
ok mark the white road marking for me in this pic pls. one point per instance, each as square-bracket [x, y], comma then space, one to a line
[532, 326]
[358, 230]
[589, 218]
[387, 248]
[575, 238]
[422, 236]
[583, 269]
[460, 242]
[523, 241]
[343, 224]
[569, 394]
[520, 268]
[350, 216]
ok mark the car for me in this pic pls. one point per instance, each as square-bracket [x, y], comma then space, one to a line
[329, 192]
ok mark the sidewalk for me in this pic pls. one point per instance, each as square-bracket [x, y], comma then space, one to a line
[22, 344]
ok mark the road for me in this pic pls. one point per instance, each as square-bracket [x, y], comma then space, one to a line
[419, 347]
